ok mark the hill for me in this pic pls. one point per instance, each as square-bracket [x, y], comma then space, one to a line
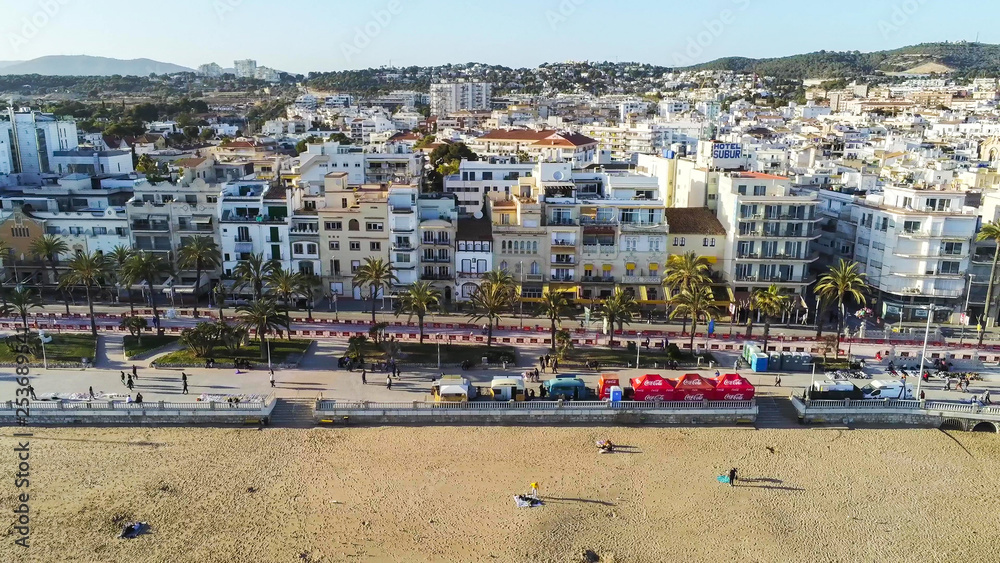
[83, 65]
[960, 57]
[5, 64]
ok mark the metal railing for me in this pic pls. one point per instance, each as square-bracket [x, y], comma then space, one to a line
[332, 405]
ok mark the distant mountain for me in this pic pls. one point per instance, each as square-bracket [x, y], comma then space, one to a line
[83, 65]
[961, 57]
[5, 64]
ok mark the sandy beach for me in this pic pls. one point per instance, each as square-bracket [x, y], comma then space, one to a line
[444, 494]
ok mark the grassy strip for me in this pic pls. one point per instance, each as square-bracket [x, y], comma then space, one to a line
[149, 343]
[64, 349]
[281, 352]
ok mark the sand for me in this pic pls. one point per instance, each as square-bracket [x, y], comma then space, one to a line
[444, 494]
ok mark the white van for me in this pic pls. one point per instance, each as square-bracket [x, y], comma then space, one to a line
[887, 390]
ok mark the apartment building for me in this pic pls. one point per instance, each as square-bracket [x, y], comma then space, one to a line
[522, 242]
[770, 230]
[450, 97]
[352, 227]
[477, 179]
[539, 146]
[29, 141]
[437, 216]
[915, 246]
[245, 68]
[696, 230]
[253, 218]
[361, 167]
[163, 217]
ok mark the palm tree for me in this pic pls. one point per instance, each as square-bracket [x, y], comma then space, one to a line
[555, 306]
[419, 299]
[117, 258]
[620, 308]
[308, 285]
[287, 285]
[22, 300]
[377, 274]
[263, 316]
[147, 268]
[220, 299]
[989, 231]
[696, 303]
[199, 254]
[253, 272]
[49, 248]
[489, 301]
[686, 271]
[770, 302]
[840, 281]
[89, 271]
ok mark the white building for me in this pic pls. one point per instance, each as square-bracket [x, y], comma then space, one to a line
[246, 68]
[210, 69]
[362, 167]
[94, 163]
[253, 219]
[915, 246]
[30, 139]
[476, 179]
[473, 254]
[450, 97]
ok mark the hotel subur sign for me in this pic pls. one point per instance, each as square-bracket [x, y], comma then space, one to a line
[727, 150]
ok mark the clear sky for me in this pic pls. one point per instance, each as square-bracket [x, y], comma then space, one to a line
[306, 35]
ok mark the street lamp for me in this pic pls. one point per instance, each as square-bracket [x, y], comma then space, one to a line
[965, 312]
[923, 353]
[44, 338]
[638, 346]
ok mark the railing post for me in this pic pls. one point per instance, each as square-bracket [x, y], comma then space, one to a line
[559, 404]
[111, 405]
[162, 407]
[847, 403]
[61, 406]
[211, 405]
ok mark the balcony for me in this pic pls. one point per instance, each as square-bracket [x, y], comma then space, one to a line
[150, 226]
[563, 279]
[568, 260]
[922, 292]
[642, 280]
[640, 226]
[597, 279]
[230, 217]
[436, 259]
[401, 209]
[437, 242]
[598, 222]
[779, 280]
[306, 232]
[561, 222]
[403, 228]
[402, 247]
[605, 250]
[274, 239]
[436, 277]
[244, 239]
[534, 278]
[195, 228]
[811, 257]
[563, 244]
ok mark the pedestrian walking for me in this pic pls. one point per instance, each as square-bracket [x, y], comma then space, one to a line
[135, 372]
[732, 477]
[184, 389]
[388, 383]
[91, 392]
[31, 391]
[271, 378]
[547, 360]
[555, 365]
[541, 362]
[364, 377]
[777, 381]
[130, 384]
[123, 378]
[184, 377]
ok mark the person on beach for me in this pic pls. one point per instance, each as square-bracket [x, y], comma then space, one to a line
[388, 383]
[364, 377]
[91, 392]
[732, 477]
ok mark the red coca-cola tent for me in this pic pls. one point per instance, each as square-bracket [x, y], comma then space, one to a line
[608, 380]
[652, 387]
[693, 387]
[733, 387]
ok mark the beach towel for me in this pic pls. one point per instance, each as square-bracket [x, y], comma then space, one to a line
[724, 479]
[526, 501]
[134, 530]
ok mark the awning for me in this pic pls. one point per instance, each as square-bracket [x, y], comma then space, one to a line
[588, 266]
[654, 267]
[630, 266]
[607, 267]
[202, 220]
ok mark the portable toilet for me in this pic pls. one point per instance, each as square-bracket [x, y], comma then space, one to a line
[616, 394]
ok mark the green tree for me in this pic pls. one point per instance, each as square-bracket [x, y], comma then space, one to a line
[770, 302]
[564, 344]
[117, 259]
[303, 145]
[444, 160]
[489, 301]
[376, 274]
[134, 325]
[148, 268]
[697, 303]
[253, 273]
[555, 306]
[419, 299]
[618, 309]
[199, 254]
[263, 316]
[844, 279]
[686, 271]
[201, 339]
[89, 272]
[341, 138]
[989, 232]
[287, 285]
[20, 302]
[4, 256]
[49, 248]
[231, 337]
[356, 347]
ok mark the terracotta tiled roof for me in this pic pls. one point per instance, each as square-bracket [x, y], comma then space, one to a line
[518, 135]
[190, 162]
[760, 176]
[693, 221]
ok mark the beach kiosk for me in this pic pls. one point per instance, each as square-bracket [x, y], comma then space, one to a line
[652, 387]
[693, 387]
[508, 388]
[607, 381]
[453, 389]
[566, 387]
[733, 387]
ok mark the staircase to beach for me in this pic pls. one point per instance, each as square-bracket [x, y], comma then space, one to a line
[776, 412]
[294, 413]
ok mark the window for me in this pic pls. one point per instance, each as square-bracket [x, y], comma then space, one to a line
[742, 190]
[487, 176]
[950, 267]
[375, 246]
[297, 248]
[355, 266]
[680, 241]
[355, 246]
[655, 243]
[403, 258]
[760, 190]
[354, 225]
[951, 248]
[100, 231]
[333, 226]
[704, 242]
[20, 232]
[312, 248]
[631, 244]
[910, 226]
[503, 266]
[334, 245]
[211, 199]
[372, 226]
